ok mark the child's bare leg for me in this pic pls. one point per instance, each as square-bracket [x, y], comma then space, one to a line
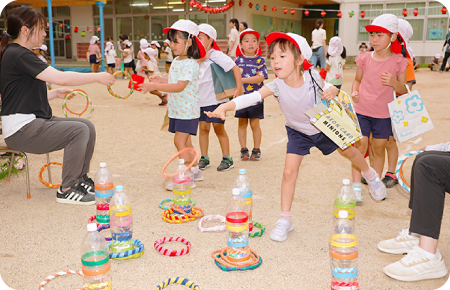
[189, 144]
[222, 135]
[242, 132]
[379, 147]
[392, 153]
[370, 150]
[203, 136]
[92, 67]
[257, 133]
[362, 148]
[167, 68]
[181, 141]
[290, 173]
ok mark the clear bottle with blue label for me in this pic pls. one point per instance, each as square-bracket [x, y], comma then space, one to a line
[242, 182]
[121, 222]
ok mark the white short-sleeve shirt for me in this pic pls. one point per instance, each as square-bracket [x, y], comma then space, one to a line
[318, 35]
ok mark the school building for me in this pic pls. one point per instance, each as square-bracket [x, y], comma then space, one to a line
[74, 24]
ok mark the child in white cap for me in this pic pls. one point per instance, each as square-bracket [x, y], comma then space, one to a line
[94, 53]
[435, 61]
[182, 84]
[297, 89]
[156, 46]
[336, 55]
[128, 57]
[110, 57]
[379, 74]
[150, 68]
[208, 101]
[169, 54]
[142, 61]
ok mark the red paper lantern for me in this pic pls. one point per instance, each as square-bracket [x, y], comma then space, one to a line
[67, 36]
[192, 3]
[416, 12]
[306, 12]
[285, 10]
[339, 14]
[75, 29]
[265, 8]
[405, 12]
[323, 13]
[274, 9]
[60, 25]
[292, 11]
[444, 10]
[87, 28]
[250, 5]
[240, 2]
[363, 14]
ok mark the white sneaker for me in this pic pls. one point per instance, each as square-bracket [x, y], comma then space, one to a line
[376, 186]
[358, 194]
[169, 186]
[415, 266]
[283, 227]
[403, 243]
[197, 176]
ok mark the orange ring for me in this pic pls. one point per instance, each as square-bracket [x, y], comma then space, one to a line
[96, 272]
[168, 176]
[55, 186]
[339, 256]
[402, 176]
[87, 103]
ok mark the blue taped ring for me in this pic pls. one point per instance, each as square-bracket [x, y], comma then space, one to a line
[104, 193]
[350, 273]
[246, 193]
[122, 237]
[238, 245]
[136, 242]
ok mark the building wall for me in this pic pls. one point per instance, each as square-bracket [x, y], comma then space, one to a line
[80, 14]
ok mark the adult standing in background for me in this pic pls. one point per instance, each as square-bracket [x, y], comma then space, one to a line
[243, 26]
[123, 37]
[233, 38]
[319, 46]
[447, 51]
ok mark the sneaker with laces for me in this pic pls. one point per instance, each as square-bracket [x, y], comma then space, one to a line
[363, 180]
[196, 176]
[403, 243]
[88, 184]
[226, 164]
[281, 230]
[256, 154]
[203, 163]
[376, 186]
[76, 194]
[415, 267]
[244, 154]
[358, 194]
[390, 180]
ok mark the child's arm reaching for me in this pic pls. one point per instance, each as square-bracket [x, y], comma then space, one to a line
[169, 88]
[356, 84]
[399, 86]
[158, 79]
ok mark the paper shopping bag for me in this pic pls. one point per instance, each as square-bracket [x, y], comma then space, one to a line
[165, 125]
[409, 117]
[224, 82]
[337, 120]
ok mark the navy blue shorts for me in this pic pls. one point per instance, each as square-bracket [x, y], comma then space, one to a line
[252, 112]
[111, 65]
[301, 144]
[93, 59]
[205, 118]
[184, 126]
[168, 62]
[381, 128]
[127, 64]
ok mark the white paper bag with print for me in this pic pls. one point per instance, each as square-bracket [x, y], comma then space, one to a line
[409, 117]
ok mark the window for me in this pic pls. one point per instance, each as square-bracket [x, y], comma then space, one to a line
[158, 24]
[434, 8]
[140, 6]
[124, 26]
[198, 18]
[417, 25]
[219, 22]
[363, 35]
[436, 28]
[395, 9]
[123, 6]
[176, 6]
[376, 10]
[412, 6]
[159, 6]
[141, 27]
[108, 27]
[107, 9]
[175, 18]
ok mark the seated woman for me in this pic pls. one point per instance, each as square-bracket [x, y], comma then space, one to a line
[28, 124]
[430, 180]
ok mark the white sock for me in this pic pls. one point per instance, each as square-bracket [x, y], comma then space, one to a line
[194, 169]
[427, 254]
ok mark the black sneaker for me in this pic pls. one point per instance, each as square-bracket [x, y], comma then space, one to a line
[77, 194]
[203, 163]
[390, 180]
[256, 154]
[226, 164]
[363, 180]
[88, 184]
[244, 154]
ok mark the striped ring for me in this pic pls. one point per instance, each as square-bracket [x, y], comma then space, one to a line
[210, 218]
[169, 252]
[130, 253]
[131, 88]
[169, 200]
[258, 233]
[61, 273]
[88, 102]
[178, 280]
[399, 169]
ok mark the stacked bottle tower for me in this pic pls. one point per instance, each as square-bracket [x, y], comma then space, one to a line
[103, 193]
[182, 188]
[242, 182]
[121, 222]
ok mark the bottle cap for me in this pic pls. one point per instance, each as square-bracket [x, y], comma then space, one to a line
[346, 181]
[242, 171]
[343, 214]
[236, 191]
[103, 164]
[119, 188]
[92, 227]
[180, 161]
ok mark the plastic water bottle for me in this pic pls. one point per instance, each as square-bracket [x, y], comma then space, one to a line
[121, 222]
[344, 254]
[245, 188]
[237, 229]
[103, 192]
[345, 200]
[182, 188]
[95, 260]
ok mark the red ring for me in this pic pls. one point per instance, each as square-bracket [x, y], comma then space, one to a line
[237, 220]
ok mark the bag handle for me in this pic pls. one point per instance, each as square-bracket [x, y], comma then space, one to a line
[407, 88]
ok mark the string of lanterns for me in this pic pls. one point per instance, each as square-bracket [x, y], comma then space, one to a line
[209, 9]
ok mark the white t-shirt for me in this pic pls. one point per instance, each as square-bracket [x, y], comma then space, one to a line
[205, 82]
[111, 56]
[334, 75]
[169, 54]
[234, 36]
[129, 57]
[318, 35]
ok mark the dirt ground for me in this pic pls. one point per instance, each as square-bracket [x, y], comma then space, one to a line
[41, 236]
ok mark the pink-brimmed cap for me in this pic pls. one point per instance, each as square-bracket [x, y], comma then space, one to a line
[387, 23]
[299, 41]
[191, 28]
[211, 32]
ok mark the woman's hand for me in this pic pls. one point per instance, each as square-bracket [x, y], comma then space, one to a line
[62, 92]
[219, 112]
[355, 96]
[105, 78]
[330, 93]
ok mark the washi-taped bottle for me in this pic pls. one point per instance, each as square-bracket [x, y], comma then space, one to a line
[245, 188]
[103, 192]
[182, 188]
[238, 250]
[345, 200]
[121, 222]
[344, 254]
[95, 260]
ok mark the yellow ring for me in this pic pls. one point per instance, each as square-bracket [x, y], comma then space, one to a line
[237, 229]
[128, 212]
[344, 245]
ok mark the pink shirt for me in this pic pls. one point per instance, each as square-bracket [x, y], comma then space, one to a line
[373, 96]
[141, 57]
[93, 49]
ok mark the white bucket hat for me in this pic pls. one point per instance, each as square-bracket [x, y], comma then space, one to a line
[109, 45]
[299, 41]
[437, 55]
[94, 39]
[211, 32]
[335, 46]
[191, 28]
[151, 53]
[156, 43]
[143, 44]
[126, 42]
[406, 31]
[167, 41]
[387, 23]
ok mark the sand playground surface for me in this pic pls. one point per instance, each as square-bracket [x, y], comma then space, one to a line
[40, 236]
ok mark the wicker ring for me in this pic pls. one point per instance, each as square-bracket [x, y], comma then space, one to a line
[169, 252]
[178, 280]
[210, 218]
[225, 266]
[131, 89]
[399, 170]
[130, 254]
[168, 200]
[61, 273]
[258, 233]
[88, 102]
[195, 214]
[51, 185]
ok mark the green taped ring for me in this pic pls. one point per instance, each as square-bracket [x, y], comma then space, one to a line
[337, 202]
[168, 200]
[258, 233]
[94, 263]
